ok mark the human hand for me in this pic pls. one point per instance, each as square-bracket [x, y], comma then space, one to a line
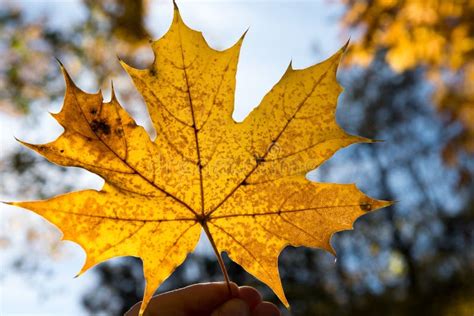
[208, 299]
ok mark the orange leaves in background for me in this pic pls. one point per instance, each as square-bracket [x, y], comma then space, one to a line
[243, 184]
[435, 34]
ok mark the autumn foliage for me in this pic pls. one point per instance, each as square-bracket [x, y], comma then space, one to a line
[435, 34]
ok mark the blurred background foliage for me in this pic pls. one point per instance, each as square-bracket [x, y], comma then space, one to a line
[437, 35]
[408, 79]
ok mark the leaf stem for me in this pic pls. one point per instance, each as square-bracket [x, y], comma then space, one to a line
[218, 255]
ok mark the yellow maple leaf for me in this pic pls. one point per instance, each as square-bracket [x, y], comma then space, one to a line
[242, 183]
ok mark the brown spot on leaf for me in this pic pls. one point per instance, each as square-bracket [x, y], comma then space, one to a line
[366, 207]
[259, 159]
[100, 127]
[119, 132]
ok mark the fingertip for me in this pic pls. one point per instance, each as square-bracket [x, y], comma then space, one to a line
[250, 295]
[266, 309]
[233, 307]
[133, 311]
[216, 289]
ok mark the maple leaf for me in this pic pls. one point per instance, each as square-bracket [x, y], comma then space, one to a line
[242, 183]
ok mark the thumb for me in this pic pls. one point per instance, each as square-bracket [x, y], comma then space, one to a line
[233, 307]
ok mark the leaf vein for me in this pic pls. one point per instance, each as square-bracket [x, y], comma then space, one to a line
[273, 143]
[245, 248]
[130, 166]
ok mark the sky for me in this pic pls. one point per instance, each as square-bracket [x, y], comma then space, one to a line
[304, 32]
